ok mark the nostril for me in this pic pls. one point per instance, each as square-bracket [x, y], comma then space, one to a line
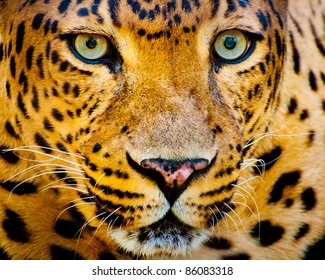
[174, 172]
[171, 176]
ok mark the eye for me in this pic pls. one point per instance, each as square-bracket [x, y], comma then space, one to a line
[91, 47]
[231, 45]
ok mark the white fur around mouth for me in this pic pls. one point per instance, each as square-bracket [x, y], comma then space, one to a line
[171, 242]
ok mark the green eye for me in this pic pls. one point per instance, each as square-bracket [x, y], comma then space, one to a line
[91, 47]
[231, 44]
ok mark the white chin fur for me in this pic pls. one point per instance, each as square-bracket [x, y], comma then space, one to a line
[166, 244]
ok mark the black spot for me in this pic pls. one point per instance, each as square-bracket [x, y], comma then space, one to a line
[64, 6]
[95, 6]
[64, 66]
[303, 230]
[83, 12]
[3, 254]
[69, 138]
[76, 91]
[108, 171]
[106, 256]
[151, 15]
[186, 6]
[37, 21]
[266, 233]
[54, 57]
[48, 49]
[308, 198]
[10, 129]
[9, 48]
[97, 147]
[61, 253]
[67, 229]
[304, 115]
[57, 115]
[243, 3]
[29, 57]
[76, 215]
[278, 41]
[23, 80]
[15, 227]
[217, 129]
[21, 105]
[8, 90]
[286, 180]
[61, 147]
[231, 7]
[288, 203]
[39, 63]
[292, 105]
[35, 101]
[124, 129]
[66, 87]
[1, 51]
[269, 160]
[47, 26]
[141, 32]
[47, 125]
[55, 92]
[218, 243]
[19, 188]
[54, 26]
[20, 37]
[262, 18]
[318, 40]
[113, 7]
[177, 19]
[186, 29]
[262, 67]
[93, 166]
[44, 145]
[313, 81]
[143, 14]
[296, 55]
[13, 67]
[8, 156]
[241, 256]
[311, 136]
[315, 251]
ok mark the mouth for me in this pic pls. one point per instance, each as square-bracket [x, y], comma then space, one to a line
[168, 236]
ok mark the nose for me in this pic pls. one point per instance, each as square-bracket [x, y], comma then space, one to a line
[176, 174]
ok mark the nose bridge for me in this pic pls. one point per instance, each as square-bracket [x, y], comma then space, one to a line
[168, 61]
[169, 83]
[179, 123]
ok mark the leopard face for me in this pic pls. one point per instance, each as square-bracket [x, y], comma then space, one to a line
[144, 113]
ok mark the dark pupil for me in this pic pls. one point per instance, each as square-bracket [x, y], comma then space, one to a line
[230, 42]
[91, 43]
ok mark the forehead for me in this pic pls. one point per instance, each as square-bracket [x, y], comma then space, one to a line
[152, 13]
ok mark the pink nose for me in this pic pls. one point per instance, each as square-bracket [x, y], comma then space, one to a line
[175, 173]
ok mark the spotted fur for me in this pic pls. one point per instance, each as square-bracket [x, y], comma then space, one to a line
[93, 155]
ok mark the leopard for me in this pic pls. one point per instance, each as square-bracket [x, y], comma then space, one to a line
[162, 129]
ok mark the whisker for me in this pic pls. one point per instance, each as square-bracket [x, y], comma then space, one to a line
[254, 201]
[240, 220]
[74, 205]
[27, 149]
[70, 187]
[102, 222]
[43, 165]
